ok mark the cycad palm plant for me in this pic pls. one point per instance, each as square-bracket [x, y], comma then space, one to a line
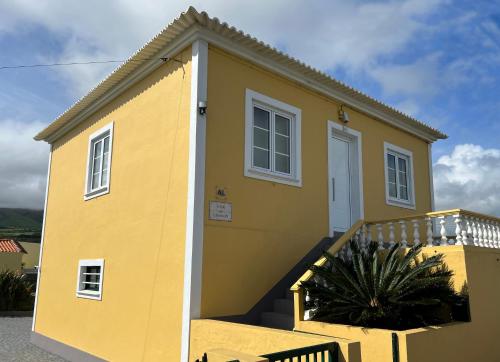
[395, 290]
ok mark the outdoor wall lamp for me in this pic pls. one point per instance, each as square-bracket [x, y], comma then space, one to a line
[343, 115]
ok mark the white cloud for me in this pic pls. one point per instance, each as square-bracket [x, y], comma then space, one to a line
[468, 178]
[325, 34]
[23, 165]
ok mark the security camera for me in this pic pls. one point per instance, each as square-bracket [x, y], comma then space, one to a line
[202, 107]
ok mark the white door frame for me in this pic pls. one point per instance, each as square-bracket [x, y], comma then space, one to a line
[356, 170]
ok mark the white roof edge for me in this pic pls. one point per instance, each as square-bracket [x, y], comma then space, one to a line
[192, 25]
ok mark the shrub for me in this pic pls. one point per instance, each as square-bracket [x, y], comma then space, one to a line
[16, 293]
[393, 291]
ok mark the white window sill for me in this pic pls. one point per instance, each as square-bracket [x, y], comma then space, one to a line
[96, 193]
[400, 203]
[273, 177]
[89, 295]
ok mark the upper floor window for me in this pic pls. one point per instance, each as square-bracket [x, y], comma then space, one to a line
[272, 139]
[99, 162]
[399, 176]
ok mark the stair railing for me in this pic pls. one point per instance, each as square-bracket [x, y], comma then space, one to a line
[433, 229]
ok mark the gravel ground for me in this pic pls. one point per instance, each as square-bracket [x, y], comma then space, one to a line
[15, 343]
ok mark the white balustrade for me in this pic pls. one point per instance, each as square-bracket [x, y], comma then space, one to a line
[458, 230]
[416, 232]
[444, 239]
[380, 236]
[456, 227]
[392, 237]
[430, 236]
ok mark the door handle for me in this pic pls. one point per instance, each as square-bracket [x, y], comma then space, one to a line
[333, 188]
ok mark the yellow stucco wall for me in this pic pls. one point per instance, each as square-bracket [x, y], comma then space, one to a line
[138, 228]
[10, 261]
[33, 252]
[207, 335]
[274, 225]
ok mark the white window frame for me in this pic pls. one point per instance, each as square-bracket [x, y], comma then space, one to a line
[90, 193]
[408, 155]
[252, 99]
[89, 294]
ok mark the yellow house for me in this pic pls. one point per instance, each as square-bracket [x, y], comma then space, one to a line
[198, 180]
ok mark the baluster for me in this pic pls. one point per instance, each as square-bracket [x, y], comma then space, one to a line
[391, 234]
[380, 237]
[491, 244]
[497, 227]
[368, 235]
[362, 238]
[470, 240]
[475, 233]
[416, 232]
[404, 236]
[444, 239]
[480, 234]
[494, 233]
[430, 236]
[465, 228]
[458, 230]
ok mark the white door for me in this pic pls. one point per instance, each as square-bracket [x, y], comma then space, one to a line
[340, 172]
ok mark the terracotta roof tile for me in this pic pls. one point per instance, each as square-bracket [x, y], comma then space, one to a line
[11, 246]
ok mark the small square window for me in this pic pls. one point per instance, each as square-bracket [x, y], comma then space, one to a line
[272, 150]
[90, 275]
[399, 176]
[99, 162]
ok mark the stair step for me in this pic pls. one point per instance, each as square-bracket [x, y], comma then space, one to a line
[283, 306]
[277, 320]
[289, 295]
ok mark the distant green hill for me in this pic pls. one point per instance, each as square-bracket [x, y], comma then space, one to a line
[21, 219]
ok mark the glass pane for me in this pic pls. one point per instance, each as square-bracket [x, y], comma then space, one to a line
[282, 144]
[282, 125]
[104, 178]
[392, 190]
[392, 176]
[282, 163]
[403, 192]
[391, 161]
[93, 269]
[95, 180]
[261, 138]
[106, 144]
[260, 158]
[260, 118]
[98, 149]
[93, 287]
[402, 164]
[402, 179]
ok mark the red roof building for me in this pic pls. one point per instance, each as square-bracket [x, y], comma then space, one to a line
[11, 246]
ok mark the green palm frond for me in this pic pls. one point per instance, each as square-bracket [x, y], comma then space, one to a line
[390, 289]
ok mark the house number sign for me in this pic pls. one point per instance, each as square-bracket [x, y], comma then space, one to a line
[220, 211]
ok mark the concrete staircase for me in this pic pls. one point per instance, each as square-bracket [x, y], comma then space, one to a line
[281, 316]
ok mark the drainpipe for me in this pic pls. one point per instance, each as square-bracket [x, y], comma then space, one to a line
[395, 347]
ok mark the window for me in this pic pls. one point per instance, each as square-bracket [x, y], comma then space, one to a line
[399, 176]
[272, 150]
[99, 162]
[90, 274]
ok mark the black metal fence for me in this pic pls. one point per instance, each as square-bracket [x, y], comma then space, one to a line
[326, 352]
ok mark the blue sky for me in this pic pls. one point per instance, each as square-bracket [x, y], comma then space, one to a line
[437, 60]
